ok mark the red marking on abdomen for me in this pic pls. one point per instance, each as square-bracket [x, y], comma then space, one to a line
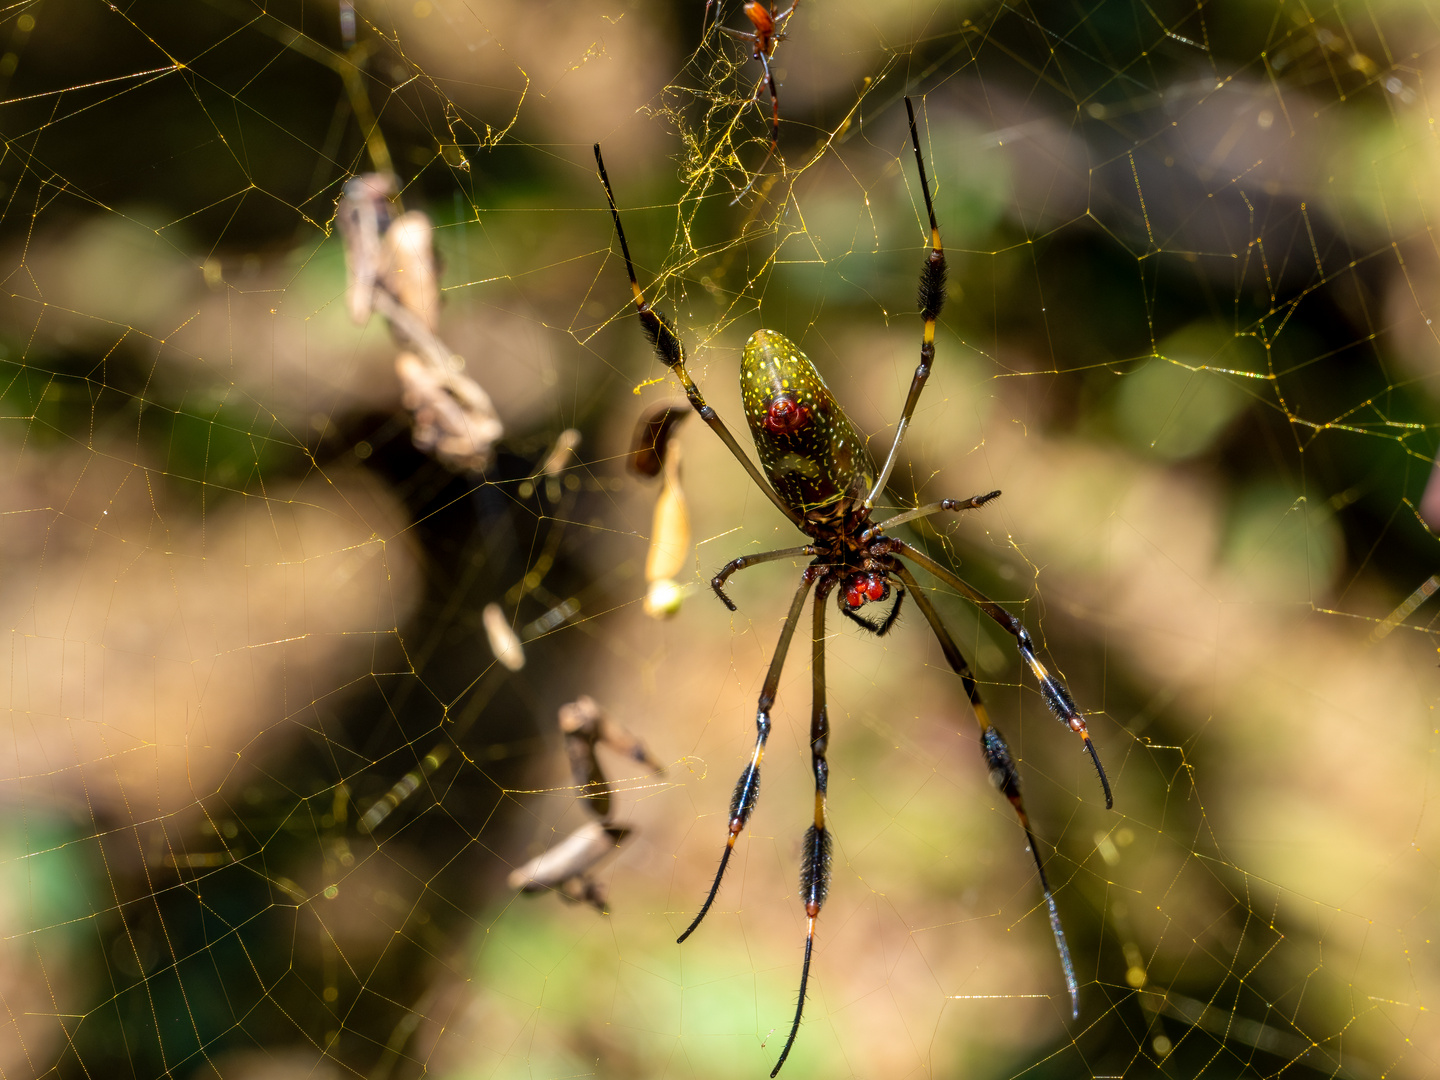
[785, 417]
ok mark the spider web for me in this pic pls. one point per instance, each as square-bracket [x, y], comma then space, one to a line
[264, 776]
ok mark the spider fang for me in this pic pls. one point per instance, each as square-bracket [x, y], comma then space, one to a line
[865, 588]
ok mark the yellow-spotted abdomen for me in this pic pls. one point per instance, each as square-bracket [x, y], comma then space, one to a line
[807, 445]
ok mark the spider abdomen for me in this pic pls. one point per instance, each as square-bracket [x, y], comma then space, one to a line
[808, 447]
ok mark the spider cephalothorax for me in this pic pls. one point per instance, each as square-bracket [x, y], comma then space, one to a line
[819, 474]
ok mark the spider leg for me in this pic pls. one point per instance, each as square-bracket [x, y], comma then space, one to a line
[815, 862]
[747, 788]
[932, 299]
[1006, 777]
[879, 629]
[972, 503]
[1003, 773]
[667, 347]
[764, 59]
[1056, 696]
[734, 565]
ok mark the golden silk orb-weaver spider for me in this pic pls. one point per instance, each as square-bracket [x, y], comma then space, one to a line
[819, 474]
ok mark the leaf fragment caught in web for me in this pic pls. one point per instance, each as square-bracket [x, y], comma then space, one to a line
[390, 262]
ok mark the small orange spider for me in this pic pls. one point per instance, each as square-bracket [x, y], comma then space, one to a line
[762, 41]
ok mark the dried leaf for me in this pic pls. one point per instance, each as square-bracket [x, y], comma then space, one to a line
[362, 216]
[652, 436]
[571, 858]
[454, 419]
[671, 543]
[408, 267]
[504, 642]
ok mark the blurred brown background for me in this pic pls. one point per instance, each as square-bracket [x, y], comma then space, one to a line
[263, 777]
